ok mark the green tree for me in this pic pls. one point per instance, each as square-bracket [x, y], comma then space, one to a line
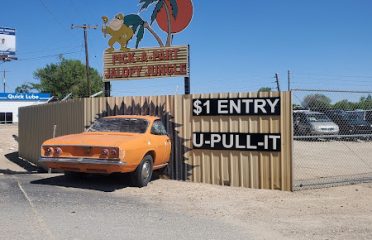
[66, 77]
[317, 102]
[365, 103]
[265, 89]
[24, 88]
[344, 105]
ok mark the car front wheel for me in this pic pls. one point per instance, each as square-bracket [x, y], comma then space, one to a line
[142, 176]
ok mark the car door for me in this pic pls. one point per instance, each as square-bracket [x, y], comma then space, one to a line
[161, 142]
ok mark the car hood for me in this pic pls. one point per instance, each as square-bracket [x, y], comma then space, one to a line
[95, 139]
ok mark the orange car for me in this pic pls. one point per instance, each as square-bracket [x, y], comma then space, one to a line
[136, 144]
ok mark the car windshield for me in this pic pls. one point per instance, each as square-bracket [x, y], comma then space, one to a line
[130, 125]
[317, 117]
[356, 118]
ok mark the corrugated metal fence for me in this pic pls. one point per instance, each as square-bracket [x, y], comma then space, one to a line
[269, 170]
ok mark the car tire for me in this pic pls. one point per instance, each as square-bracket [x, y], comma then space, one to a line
[142, 176]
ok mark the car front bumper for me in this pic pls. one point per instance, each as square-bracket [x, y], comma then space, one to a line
[324, 132]
[86, 165]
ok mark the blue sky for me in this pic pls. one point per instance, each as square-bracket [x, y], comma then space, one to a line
[236, 45]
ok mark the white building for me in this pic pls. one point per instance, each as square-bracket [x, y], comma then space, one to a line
[10, 102]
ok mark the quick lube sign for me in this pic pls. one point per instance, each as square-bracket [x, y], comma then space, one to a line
[24, 96]
[215, 107]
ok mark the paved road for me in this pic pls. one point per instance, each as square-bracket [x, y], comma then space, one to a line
[50, 206]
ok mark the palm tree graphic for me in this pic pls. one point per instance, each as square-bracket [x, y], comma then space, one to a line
[159, 4]
[139, 25]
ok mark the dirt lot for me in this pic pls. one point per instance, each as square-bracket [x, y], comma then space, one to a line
[330, 213]
[8, 146]
[342, 159]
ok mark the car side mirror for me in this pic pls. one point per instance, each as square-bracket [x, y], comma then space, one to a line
[154, 133]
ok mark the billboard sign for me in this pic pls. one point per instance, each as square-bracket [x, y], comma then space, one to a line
[244, 108]
[7, 41]
[146, 63]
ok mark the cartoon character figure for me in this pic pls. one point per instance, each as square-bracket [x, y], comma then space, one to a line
[119, 32]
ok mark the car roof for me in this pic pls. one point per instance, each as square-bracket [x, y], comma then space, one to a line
[147, 117]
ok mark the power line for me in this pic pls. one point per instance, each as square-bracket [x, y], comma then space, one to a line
[330, 90]
[330, 75]
[312, 80]
[55, 18]
[49, 49]
[52, 14]
[47, 56]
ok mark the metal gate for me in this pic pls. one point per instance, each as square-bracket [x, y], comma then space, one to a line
[332, 142]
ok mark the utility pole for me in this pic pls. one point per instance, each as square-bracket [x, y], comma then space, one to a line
[289, 80]
[4, 80]
[277, 82]
[85, 27]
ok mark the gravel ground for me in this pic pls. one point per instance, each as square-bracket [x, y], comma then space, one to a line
[62, 208]
[331, 158]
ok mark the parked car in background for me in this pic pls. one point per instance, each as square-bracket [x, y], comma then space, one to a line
[349, 122]
[368, 116]
[125, 144]
[363, 114]
[313, 123]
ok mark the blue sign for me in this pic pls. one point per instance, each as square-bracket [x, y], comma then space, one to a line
[34, 97]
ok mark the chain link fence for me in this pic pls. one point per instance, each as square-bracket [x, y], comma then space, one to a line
[332, 142]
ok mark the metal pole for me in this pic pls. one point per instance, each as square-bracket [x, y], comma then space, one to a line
[107, 89]
[4, 80]
[187, 85]
[289, 80]
[277, 82]
[87, 59]
[187, 79]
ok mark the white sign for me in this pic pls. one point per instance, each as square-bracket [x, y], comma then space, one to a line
[7, 41]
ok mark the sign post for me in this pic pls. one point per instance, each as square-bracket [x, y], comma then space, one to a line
[107, 89]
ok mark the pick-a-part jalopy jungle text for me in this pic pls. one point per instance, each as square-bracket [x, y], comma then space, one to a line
[146, 63]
